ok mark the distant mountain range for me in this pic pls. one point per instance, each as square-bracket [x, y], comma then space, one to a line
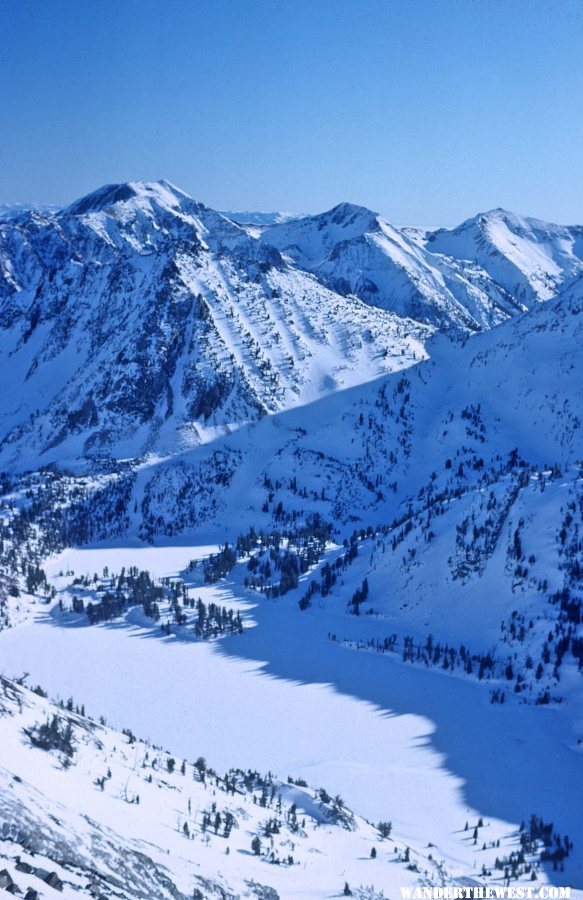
[473, 277]
[263, 219]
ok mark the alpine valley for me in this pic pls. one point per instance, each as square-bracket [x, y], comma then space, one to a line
[291, 536]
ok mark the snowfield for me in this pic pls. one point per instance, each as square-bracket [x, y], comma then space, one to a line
[296, 507]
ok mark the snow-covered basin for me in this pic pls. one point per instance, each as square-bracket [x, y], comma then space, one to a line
[424, 749]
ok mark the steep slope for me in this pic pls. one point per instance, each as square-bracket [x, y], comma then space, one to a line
[364, 455]
[354, 250]
[530, 259]
[138, 320]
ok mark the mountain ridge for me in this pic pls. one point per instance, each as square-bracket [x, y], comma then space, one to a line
[138, 320]
[137, 309]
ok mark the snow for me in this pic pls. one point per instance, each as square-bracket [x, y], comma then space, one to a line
[529, 258]
[140, 796]
[352, 248]
[189, 378]
[165, 561]
[397, 742]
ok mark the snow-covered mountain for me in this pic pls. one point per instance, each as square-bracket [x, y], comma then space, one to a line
[137, 319]
[471, 277]
[355, 251]
[530, 259]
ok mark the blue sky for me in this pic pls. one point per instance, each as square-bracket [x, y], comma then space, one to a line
[425, 110]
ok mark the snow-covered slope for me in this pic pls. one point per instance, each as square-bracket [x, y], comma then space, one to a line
[88, 811]
[91, 812]
[528, 258]
[139, 320]
[363, 455]
[356, 251]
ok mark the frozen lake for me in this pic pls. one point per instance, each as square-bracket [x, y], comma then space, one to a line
[421, 748]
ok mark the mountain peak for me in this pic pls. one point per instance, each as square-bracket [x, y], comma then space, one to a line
[499, 214]
[348, 213]
[163, 192]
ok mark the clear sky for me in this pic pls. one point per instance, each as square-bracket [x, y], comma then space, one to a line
[425, 110]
